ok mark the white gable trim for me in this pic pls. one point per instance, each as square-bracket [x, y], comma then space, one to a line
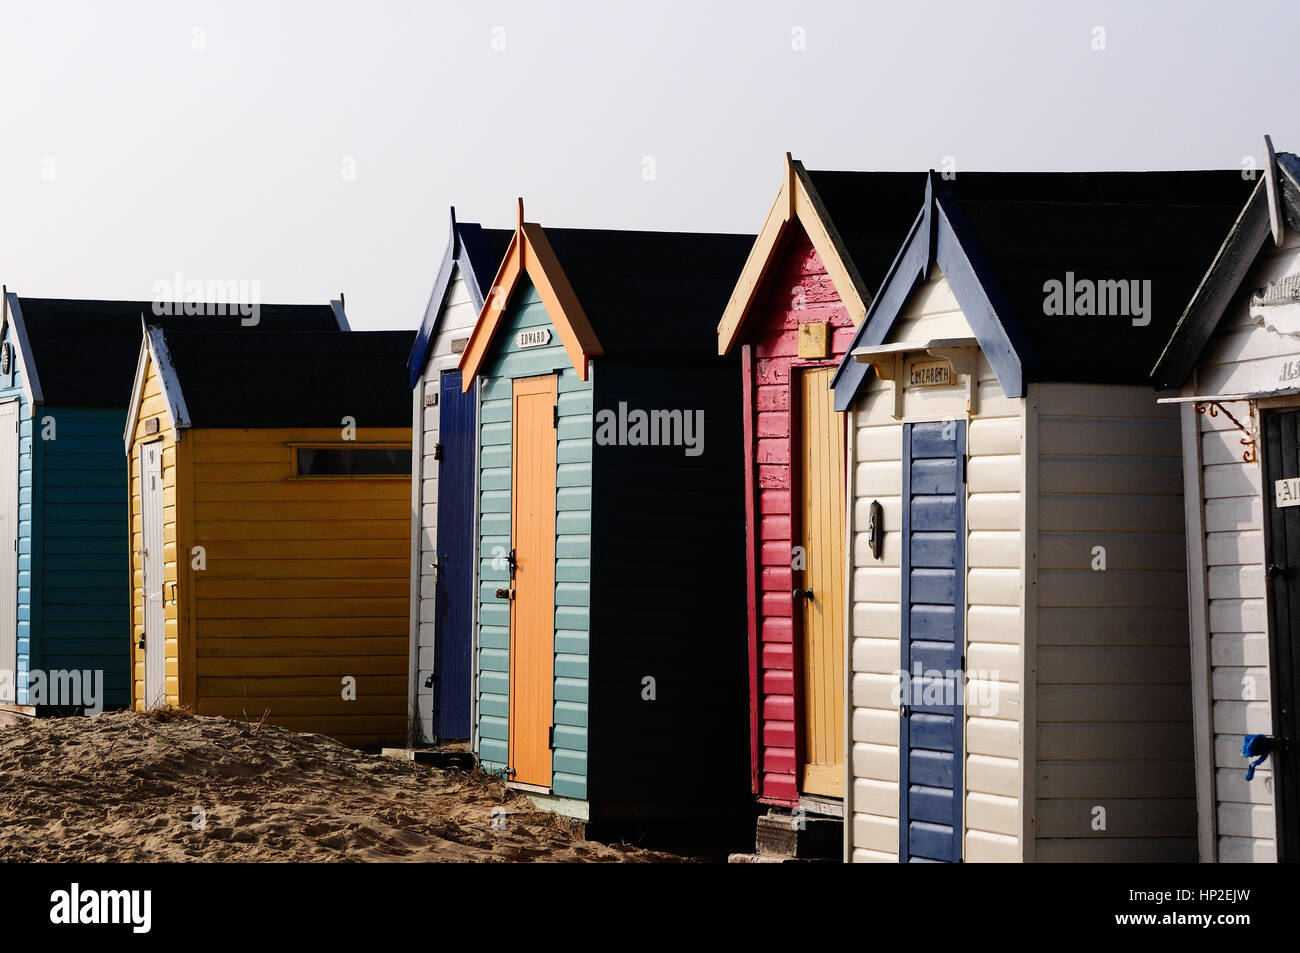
[153, 348]
[13, 313]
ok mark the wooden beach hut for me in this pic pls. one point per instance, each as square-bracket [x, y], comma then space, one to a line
[806, 285]
[1234, 359]
[66, 368]
[270, 533]
[1016, 615]
[610, 652]
[442, 487]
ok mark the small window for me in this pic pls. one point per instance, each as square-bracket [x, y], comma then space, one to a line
[354, 461]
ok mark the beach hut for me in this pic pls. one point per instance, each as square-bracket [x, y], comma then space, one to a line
[66, 368]
[822, 251]
[442, 487]
[1017, 609]
[270, 533]
[610, 653]
[1235, 358]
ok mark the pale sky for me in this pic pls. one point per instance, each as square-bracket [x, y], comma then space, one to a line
[315, 147]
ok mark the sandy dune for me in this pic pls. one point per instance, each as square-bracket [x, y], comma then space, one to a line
[173, 787]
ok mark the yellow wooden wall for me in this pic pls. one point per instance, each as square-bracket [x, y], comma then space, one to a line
[154, 406]
[307, 581]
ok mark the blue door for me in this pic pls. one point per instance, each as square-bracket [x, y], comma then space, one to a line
[451, 626]
[933, 601]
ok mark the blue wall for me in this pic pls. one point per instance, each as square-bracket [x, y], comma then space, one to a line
[11, 387]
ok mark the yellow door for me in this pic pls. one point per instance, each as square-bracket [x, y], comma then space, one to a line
[532, 611]
[819, 598]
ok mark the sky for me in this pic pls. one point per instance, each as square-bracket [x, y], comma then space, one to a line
[307, 149]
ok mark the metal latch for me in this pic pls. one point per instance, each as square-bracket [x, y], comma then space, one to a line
[505, 593]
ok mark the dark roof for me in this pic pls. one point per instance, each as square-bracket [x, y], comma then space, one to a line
[478, 252]
[85, 351]
[651, 293]
[871, 211]
[292, 378]
[1011, 233]
[1223, 279]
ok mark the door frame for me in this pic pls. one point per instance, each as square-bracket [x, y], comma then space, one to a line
[798, 672]
[959, 636]
[144, 576]
[1286, 830]
[533, 385]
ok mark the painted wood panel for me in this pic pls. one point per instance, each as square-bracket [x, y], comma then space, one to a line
[1111, 553]
[24, 613]
[458, 317]
[797, 290]
[993, 620]
[820, 574]
[572, 621]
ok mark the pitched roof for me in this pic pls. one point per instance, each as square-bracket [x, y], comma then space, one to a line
[1000, 238]
[614, 292]
[854, 220]
[1223, 278]
[83, 352]
[477, 252]
[651, 293]
[288, 378]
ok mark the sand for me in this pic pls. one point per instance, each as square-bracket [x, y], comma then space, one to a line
[170, 786]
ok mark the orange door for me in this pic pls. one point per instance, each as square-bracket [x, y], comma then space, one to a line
[532, 611]
[819, 599]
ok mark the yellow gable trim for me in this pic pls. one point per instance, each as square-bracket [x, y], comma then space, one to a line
[797, 200]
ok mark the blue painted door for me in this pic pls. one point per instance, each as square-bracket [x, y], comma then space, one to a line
[933, 572]
[455, 552]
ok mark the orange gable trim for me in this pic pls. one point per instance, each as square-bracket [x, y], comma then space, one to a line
[530, 254]
[797, 201]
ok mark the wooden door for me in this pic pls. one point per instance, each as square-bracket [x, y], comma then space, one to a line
[532, 608]
[455, 555]
[155, 622]
[9, 550]
[933, 570]
[1282, 532]
[819, 586]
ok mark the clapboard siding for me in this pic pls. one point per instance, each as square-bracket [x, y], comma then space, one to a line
[572, 544]
[11, 388]
[1241, 354]
[797, 290]
[259, 643]
[993, 583]
[1111, 695]
[82, 581]
[458, 317]
[175, 593]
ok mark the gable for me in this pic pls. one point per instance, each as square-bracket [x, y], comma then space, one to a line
[527, 315]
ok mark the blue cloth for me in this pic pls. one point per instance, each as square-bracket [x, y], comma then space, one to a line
[1257, 747]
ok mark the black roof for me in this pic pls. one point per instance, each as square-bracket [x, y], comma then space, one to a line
[85, 351]
[1224, 277]
[1023, 230]
[292, 378]
[871, 211]
[648, 293]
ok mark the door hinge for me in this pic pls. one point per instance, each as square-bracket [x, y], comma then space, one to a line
[550, 738]
[437, 451]
[555, 416]
[964, 461]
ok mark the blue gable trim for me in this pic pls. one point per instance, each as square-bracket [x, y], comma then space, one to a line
[467, 248]
[938, 236]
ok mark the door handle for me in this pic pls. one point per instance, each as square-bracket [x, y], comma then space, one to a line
[803, 594]
[1275, 570]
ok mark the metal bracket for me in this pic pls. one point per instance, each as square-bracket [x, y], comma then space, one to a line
[1213, 408]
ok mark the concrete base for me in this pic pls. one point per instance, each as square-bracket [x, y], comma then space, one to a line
[785, 835]
[11, 714]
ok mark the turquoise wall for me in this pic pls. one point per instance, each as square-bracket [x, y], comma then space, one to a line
[11, 387]
[572, 543]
